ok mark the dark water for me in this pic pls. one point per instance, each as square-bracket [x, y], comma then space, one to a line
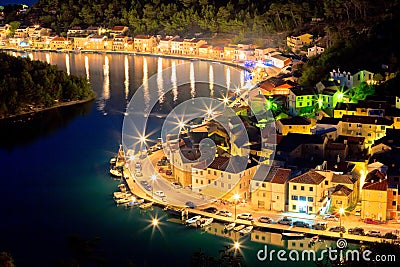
[55, 193]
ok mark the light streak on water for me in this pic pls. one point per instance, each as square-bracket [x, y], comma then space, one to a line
[87, 67]
[106, 85]
[146, 93]
[160, 86]
[192, 81]
[67, 64]
[126, 82]
[211, 80]
[48, 58]
[174, 81]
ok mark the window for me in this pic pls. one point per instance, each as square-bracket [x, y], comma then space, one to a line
[290, 127]
[222, 174]
[277, 197]
[295, 187]
[295, 198]
[394, 193]
[209, 172]
[201, 181]
[263, 185]
[229, 176]
[201, 172]
[310, 199]
[326, 182]
[294, 207]
[302, 198]
[311, 188]
[310, 209]
[257, 184]
[215, 182]
[382, 127]
[369, 134]
[393, 203]
[215, 173]
[197, 181]
[229, 186]
[338, 202]
[302, 188]
[209, 181]
[222, 185]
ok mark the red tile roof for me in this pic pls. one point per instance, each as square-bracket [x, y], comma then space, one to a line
[310, 177]
[341, 190]
[379, 186]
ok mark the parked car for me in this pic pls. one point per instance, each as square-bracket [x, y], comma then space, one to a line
[176, 185]
[390, 236]
[331, 217]
[211, 209]
[356, 231]
[224, 213]
[190, 204]
[159, 193]
[265, 219]
[301, 224]
[373, 233]
[358, 212]
[320, 226]
[144, 183]
[245, 216]
[338, 229]
[370, 221]
[168, 172]
[160, 170]
[138, 174]
[285, 221]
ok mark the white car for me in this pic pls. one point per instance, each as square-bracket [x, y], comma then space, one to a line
[224, 213]
[159, 193]
[176, 185]
[245, 216]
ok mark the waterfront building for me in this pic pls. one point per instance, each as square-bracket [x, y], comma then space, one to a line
[120, 43]
[21, 32]
[229, 52]
[177, 46]
[297, 124]
[118, 31]
[268, 188]
[75, 31]
[243, 53]
[165, 45]
[144, 43]
[191, 46]
[374, 198]
[308, 193]
[217, 52]
[4, 31]
[205, 51]
[280, 61]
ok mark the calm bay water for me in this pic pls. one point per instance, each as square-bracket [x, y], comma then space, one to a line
[56, 184]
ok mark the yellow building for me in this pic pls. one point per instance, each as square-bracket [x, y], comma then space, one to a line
[229, 52]
[60, 43]
[308, 193]
[297, 42]
[268, 188]
[120, 43]
[191, 46]
[144, 43]
[392, 203]
[296, 124]
[374, 200]
[341, 197]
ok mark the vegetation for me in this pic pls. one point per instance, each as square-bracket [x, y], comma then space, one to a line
[6, 260]
[26, 85]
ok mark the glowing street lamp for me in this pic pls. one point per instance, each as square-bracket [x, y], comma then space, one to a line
[236, 197]
[236, 245]
[154, 222]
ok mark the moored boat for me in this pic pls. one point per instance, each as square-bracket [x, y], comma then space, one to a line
[246, 230]
[194, 219]
[239, 227]
[292, 235]
[113, 161]
[314, 239]
[122, 200]
[230, 226]
[202, 222]
[115, 173]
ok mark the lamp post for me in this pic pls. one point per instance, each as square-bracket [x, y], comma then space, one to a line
[341, 212]
[153, 179]
[236, 197]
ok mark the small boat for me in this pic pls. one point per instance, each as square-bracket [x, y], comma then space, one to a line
[314, 239]
[246, 230]
[239, 227]
[193, 219]
[113, 161]
[122, 195]
[292, 235]
[146, 205]
[203, 222]
[122, 187]
[115, 172]
[229, 227]
[135, 202]
[122, 200]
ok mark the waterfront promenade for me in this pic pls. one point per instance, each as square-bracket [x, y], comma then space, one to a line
[136, 190]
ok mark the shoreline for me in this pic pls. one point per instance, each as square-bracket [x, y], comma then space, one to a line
[37, 111]
[133, 53]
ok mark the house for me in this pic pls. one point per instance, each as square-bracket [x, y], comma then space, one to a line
[243, 53]
[300, 100]
[177, 46]
[75, 31]
[331, 127]
[118, 31]
[297, 42]
[165, 45]
[275, 86]
[191, 46]
[351, 181]
[4, 31]
[341, 197]
[315, 50]
[21, 32]
[308, 193]
[352, 80]
[335, 151]
[224, 177]
[98, 42]
[280, 61]
[144, 43]
[329, 98]
[345, 109]
[374, 197]
[296, 124]
[60, 43]
[229, 52]
[205, 51]
[372, 128]
[217, 52]
[268, 188]
[120, 43]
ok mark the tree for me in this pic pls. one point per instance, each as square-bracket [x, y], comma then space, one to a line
[14, 26]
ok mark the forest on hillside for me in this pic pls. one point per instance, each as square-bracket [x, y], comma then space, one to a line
[240, 17]
[26, 85]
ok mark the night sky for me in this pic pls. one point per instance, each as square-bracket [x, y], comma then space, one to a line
[10, 2]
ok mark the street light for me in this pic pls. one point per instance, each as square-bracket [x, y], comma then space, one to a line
[153, 179]
[236, 197]
[154, 222]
